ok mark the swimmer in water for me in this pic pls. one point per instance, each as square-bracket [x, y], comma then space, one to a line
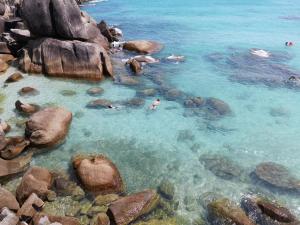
[289, 43]
[155, 104]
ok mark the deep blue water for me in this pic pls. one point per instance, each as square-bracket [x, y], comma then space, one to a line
[215, 37]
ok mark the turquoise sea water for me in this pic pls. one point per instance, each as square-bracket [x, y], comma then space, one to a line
[148, 147]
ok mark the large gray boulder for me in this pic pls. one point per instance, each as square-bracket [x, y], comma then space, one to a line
[66, 59]
[61, 19]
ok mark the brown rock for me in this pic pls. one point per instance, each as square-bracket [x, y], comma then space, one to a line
[104, 29]
[14, 78]
[102, 219]
[98, 174]
[12, 167]
[65, 58]
[7, 58]
[223, 211]
[36, 180]
[48, 127]
[64, 220]
[3, 66]
[143, 46]
[99, 104]
[95, 91]
[28, 91]
[129, 208]
[7, 199]
[14, 147]
[26, 108]
[31, 206]
[3, 48]
[135, 66]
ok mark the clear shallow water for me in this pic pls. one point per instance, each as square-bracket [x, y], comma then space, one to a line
[144, 145]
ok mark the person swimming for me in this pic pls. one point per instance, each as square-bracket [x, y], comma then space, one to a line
[155, 104]
[289, 43]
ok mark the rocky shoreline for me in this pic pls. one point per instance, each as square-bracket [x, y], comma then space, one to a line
[60, 40]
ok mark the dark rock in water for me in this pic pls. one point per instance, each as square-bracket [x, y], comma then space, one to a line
[28, 91]
[48, 127]
[266, 212]
[279, 112]
[95, 91]
[143, 46]
[14, 78]
[217, 107]
[277, 176]
[99, 104]
[150, 92]
[135, 102]
[221, 166]
[244, 67]
[225, 212]
[129, 208]
[26, 108]
[105, 31]
[208, 197]
[98, 174]
[185, 135]
[173, 94]
[14, 147]
[68, 92]
[135, 66]
[194, 102]
[128, 81]
[61, 19]
[70, 59]
[9, 168]
[166, 189]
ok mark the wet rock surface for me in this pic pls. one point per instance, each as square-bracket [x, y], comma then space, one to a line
[13, 147]
[276, 176]
[99, 104]
[48, 127]
[129, 208]
[95, 91]
[264, 211]
[221, 166]
[7, 199]
[28, 91]
[98, 174]
[36, 180]
[143, 46]
[14, 78]
[223, 211]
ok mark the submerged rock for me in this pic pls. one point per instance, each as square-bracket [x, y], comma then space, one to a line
[101, 200]
[36, 180]
[68, 59]
[143, 46]
[28, 91]
[277, 176]
[99, 104]
[68, 92]
[194, 102]
[98, 174]
[221, 166]
[150, 92]
[166, 189]
[7, 199]
[128, 81]
[48, 127]
[135, 102]
[217, 107]
[264, 211]
[95, 91]
[53, 219]
[225, 212]
[8, 217]
[129, 208]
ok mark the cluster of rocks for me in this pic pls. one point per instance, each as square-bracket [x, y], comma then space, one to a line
[252, 210]
[38, 197]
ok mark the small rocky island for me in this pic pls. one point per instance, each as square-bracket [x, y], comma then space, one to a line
[55, 38]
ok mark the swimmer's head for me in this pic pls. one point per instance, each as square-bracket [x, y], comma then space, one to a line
[158, 100]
